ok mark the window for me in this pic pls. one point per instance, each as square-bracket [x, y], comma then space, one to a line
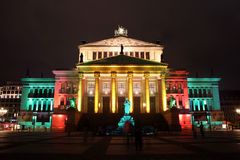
[142, 54]
[90, 88]
[105, 54]
[126, 53]
[99, 55]
[106, 87]
[115, 53]
[137, 54]
[110, 54]
[152, 87]
[147, 55]
[131, 54]
[94, 55]
[136, 88]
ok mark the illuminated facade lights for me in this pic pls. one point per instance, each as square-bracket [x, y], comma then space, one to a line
[120, 67]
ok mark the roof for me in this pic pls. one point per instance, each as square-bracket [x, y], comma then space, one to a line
[122, 60]
[118, 40]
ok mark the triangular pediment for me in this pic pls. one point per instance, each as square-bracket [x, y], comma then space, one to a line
[118, 40]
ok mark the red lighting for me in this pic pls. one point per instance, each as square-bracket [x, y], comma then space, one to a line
[58, 121]
[185, 121]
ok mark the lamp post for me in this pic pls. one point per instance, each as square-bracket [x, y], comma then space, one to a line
[3, 112]
[238, 114]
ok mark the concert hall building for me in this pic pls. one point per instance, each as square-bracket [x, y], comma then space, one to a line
[110, 70]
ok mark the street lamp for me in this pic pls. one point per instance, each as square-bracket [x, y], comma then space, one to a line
[2, 112]
[238, 113]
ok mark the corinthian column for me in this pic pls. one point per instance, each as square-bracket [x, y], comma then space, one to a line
[130, 90]
[79, 107]
[163, 92]
[147, 93]
[96, 97]
[113, 92]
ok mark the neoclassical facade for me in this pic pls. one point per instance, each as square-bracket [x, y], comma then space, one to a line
[110, 70]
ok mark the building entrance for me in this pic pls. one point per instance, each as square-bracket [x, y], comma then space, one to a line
[90, 105]
[152, 105]
[136, 103]
[106, 104]
[120, 105]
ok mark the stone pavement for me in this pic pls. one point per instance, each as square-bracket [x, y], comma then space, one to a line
[41, 145]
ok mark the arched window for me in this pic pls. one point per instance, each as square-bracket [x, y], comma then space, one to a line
[45, 94]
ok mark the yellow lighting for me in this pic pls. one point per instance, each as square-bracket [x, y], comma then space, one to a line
[238, 111]
[146, 75]
[79, 107]
[130, 90]
[144, 105]
[164, 98]
[113, 95]
[96, 98]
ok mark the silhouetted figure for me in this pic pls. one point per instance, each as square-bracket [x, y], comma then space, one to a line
[194, 132]
[81, 58]
[138, 138]
[201, 129]
[86, 125]
[121, 49]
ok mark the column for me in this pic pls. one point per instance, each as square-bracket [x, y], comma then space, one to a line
[96, 97]
[163, 92]
[130, 90]
[113, 92]
[216, 99]
[80, 90]
[147, 92]
[186, 97]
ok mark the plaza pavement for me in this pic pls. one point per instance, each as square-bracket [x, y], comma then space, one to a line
[47, 145]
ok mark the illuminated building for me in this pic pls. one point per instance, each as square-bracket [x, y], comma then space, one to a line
[204, 100]
[37, 102]
[110, 70]
[10, 96]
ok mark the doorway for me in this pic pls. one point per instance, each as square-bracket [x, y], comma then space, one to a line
[90, 105]
[106, 105]
[136, 103]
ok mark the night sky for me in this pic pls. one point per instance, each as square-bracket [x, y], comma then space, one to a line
[197, 35]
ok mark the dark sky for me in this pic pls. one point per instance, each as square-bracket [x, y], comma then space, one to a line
[198, 35]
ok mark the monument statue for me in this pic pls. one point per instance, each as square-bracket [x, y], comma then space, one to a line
[127, 106]
[72, 102]
[172, 102]
[127, 119]
[121, 49]
[81, 58]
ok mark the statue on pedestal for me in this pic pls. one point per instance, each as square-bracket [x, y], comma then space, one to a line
[73, 102]
[127, 106]
[127, 119]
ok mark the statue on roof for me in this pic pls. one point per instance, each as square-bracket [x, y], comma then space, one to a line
[81, 58]
[121, 49]
[121, 31]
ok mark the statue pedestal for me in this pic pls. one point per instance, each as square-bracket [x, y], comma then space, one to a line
[123, 120]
